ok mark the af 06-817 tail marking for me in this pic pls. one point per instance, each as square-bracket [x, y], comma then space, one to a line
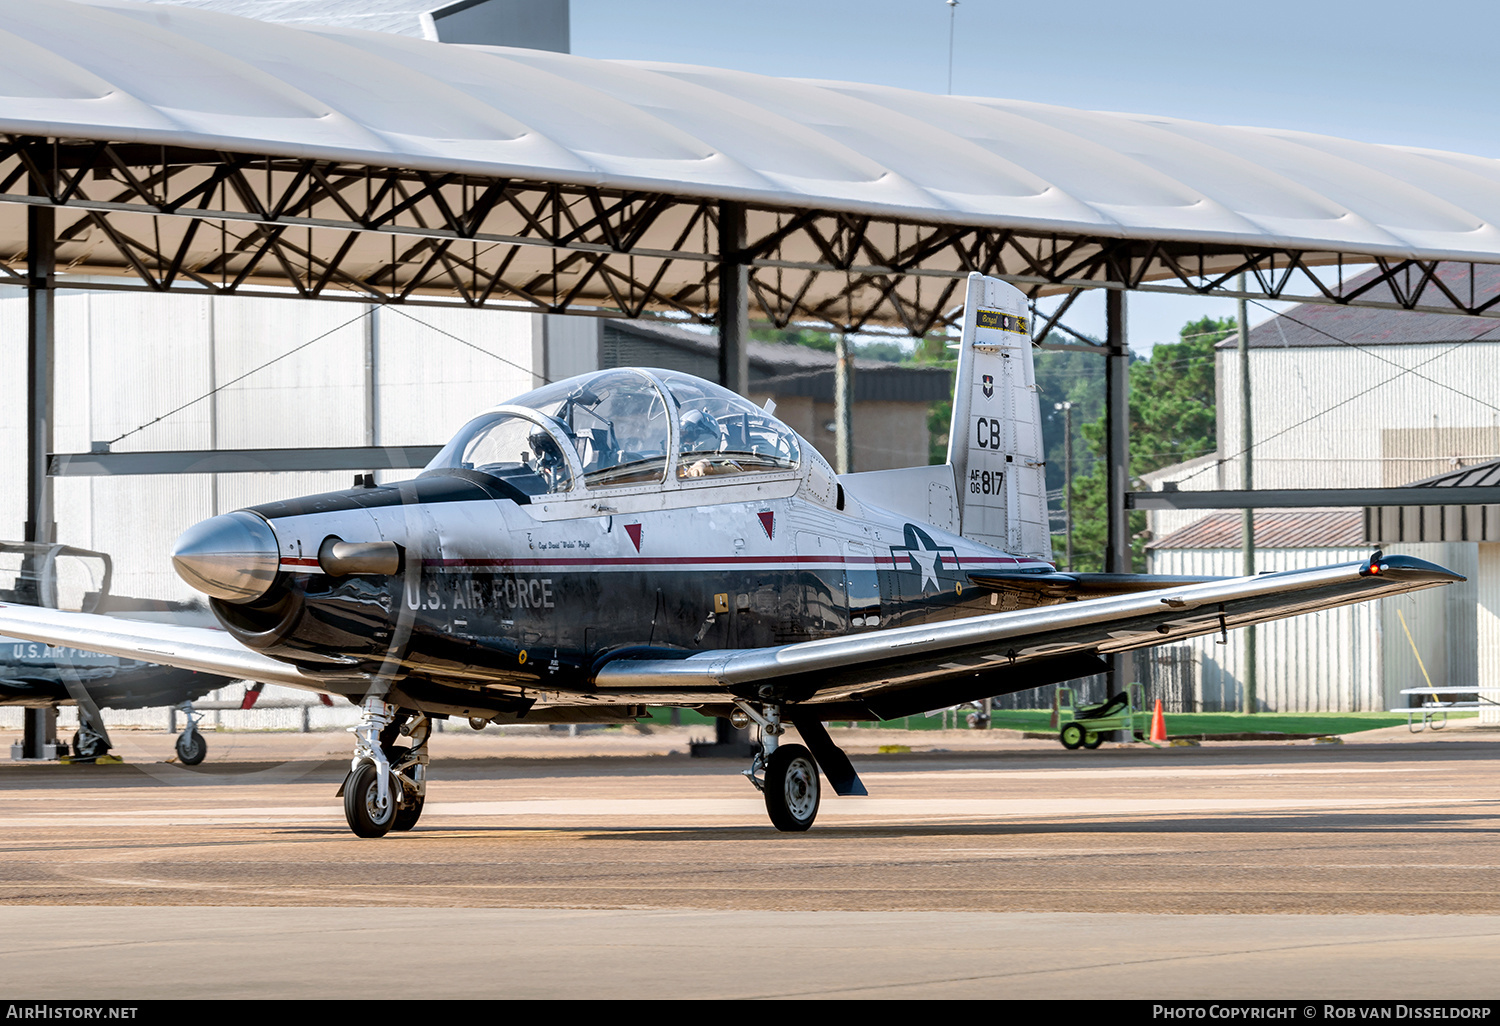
[996, 441]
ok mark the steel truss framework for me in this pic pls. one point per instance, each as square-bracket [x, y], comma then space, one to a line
[168, 219]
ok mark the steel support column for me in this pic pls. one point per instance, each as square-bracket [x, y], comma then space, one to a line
[734, 368]
[41, 250]
[734, 300]
[40, 273]
[843, 405]
[1247, 482]
[1117, 558]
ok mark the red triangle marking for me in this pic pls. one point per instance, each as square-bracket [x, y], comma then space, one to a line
[634, 530]
[768, 523]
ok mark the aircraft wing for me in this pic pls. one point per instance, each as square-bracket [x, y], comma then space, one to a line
[904, 670]
[204, 649]
[1034, 589]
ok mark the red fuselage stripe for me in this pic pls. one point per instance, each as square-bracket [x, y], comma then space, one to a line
[649, 561]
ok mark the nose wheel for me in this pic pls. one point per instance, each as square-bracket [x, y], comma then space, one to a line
[191, 747]
[370, 812]
[387, 784]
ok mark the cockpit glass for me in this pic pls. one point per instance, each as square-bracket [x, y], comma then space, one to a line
[618, 425]
[617, 420]
[502, 445]
[724, 433]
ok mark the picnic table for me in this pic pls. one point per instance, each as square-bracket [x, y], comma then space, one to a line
[1434, 710]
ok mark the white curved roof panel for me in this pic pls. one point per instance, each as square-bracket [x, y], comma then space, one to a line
[132, 72]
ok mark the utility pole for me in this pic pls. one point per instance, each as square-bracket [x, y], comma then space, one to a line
[1067, 412]
[1247, 482]
[952, 17]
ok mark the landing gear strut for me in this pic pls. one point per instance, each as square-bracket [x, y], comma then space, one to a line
[91, 740]
[790, 785]
[386, 786]
[191, 747]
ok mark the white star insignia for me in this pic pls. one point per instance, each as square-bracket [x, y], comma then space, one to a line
[925, 560]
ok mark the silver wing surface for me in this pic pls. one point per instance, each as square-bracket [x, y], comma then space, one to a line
[204, 649]
[904, 670]
[881, 673]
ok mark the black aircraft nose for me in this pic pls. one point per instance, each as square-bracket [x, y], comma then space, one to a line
[233, 557]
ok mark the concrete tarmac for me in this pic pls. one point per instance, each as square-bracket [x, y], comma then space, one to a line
[613, 865]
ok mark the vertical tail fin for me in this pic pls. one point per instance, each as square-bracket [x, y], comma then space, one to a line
[995, 444]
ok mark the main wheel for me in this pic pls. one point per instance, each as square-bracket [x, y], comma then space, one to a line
[191, 748]
[792, 788]
[87, 750]
[1072, 735]
[407, 815]
[362, 808]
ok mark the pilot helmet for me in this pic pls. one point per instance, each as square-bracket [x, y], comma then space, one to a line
[700, 432]
[548, 453]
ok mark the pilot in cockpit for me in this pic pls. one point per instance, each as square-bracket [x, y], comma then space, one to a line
[550, 463]
[702, 436]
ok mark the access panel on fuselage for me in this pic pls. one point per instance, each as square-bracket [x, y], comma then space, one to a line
[821, 589]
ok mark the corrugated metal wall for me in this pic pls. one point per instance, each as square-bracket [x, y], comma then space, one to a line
[389, 377]
[1442, 623]
[1330, 660]
[12, 411]
[1487, 591]
[1343, 416]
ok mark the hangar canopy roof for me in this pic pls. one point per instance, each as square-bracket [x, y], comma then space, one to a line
[1317, 326]
[1192, 199]
[113, 70]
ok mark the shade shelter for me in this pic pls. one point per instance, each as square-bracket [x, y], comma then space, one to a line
[177, 149]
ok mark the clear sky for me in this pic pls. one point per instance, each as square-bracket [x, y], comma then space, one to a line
[1414, 74]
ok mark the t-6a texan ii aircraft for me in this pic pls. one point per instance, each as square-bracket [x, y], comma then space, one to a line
[641, 537]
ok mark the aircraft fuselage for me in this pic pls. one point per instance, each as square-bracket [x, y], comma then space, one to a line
[541, 593]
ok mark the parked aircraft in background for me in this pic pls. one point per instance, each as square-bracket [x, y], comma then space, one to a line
[36, 675]
[643, 537]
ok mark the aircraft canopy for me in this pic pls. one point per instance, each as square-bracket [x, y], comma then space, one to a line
[621, 427]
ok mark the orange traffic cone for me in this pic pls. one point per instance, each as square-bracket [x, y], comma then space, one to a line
[1158, 724]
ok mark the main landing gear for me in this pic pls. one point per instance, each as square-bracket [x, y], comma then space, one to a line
[387, 785]
[791, 788]
[91, 740]
[790, 781]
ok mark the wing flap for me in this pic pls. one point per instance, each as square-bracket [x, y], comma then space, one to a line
[1039, 589]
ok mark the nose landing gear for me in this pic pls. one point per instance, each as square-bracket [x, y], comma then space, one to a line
[191, 747]
[386, 786]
